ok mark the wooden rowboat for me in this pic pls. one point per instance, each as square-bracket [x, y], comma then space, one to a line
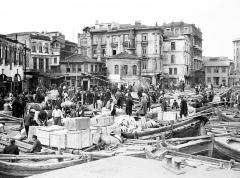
[186, 128]
[227, 116]
[29, 168]
[227, 150]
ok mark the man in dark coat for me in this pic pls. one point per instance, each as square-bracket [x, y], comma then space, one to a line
[11, 149]
[28, 119]
[184, 108]
[16, 108]
[37, 146]
[129, 104]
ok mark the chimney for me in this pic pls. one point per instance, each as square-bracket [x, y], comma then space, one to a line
[137, 22]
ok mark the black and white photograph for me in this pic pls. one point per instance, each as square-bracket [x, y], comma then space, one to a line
[120, 89]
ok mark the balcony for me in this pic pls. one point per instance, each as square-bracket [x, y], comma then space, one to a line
[144, 43]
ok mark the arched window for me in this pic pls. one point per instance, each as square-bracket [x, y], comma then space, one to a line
[134, 70]
[116, 69]
[172, 59]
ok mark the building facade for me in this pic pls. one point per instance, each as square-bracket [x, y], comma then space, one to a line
[106, 40]
[236, 54]
[47, 48]
[177, 59]
[188, 39]
[81, 71]
[12, 61]
[218, 71]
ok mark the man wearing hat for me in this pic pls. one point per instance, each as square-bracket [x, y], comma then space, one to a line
[28, 119]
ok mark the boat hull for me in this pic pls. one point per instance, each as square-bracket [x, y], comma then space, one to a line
[225, 150]
[23, 170]
[187, 128]
[229, 118]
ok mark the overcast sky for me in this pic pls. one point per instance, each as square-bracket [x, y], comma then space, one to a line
[219, 20]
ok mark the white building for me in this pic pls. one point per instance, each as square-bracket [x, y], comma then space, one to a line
[177, 58]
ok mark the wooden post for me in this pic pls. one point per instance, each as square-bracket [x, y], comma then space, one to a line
[163, 140]
[211, 146]
[158, 143]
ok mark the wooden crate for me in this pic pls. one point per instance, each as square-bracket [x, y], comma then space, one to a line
[32, 131]
[43, 133]
[58, 139]
[86, 138]
[74, 139]
[77, 123]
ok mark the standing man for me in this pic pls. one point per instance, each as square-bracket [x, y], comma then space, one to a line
[11, 149]
[129, 104]
[28, 120]
[57, 116]
[184, 108]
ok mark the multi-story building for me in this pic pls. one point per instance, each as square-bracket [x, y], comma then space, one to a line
[13, 55]
[81, 71]
[105, 41]
[177, 58]
[188, 41]
[47, 49]
[236, 54]
[218, 70]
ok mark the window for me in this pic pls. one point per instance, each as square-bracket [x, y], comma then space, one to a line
[40, 48]
[27, 60]
[73, 68]
[173, 47]
[86, 68]
[68, 69]
[20, 58]
[114, 51]
[144, 51]
[41, 64]
[103, 41]
[125, 70]
[176, 30]
[144, 37]
[223, 69]
[91, 68]
[208, 69]
[103, 52]
[114, 39]
[172, 59]
[175, 71]
[216, 70]
[94, 51]
[55, 60]
[185, 29]
[15, 57]
[95, 40]
[79, 68]
[224, 80]
[134, 70]
[34, 63]
[116, 69]
[168, 29]
[170, 71]
[47, 64]
[125, 37]
[209, 80]
[144, 64]
[34, 47]
[46, 48]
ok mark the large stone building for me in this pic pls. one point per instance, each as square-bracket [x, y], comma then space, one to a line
[12, 61]
[82, 71]
[43, 66]
[182, 51]
[218, 70]
[105, 41]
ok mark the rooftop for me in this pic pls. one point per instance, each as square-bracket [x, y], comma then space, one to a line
[75, 58]
[124, 55]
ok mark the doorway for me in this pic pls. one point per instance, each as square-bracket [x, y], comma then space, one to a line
[85, 85]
